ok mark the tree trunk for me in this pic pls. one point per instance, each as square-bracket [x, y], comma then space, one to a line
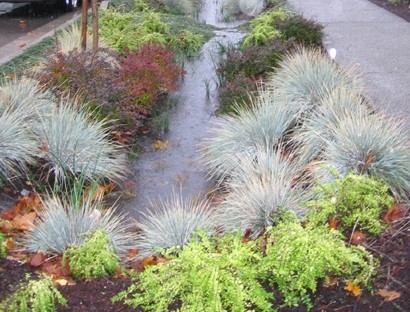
[84, 25]
[94, 6]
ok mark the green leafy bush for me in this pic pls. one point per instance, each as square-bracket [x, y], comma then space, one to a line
[263, 28]
[3, 246]
[36, 296]
[297, 258]
[209, 274]
[353, 201]
[304, 31]
[95, 257]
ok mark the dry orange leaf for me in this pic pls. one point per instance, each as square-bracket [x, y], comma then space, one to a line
[393, 214]
[354, 289]
[37, 259]
[132, 253]
[358, 237]
[333, 223]
[61, 281]
[388, 295]
[23, 222]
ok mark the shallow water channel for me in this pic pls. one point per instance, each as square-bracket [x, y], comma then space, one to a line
[174, 163]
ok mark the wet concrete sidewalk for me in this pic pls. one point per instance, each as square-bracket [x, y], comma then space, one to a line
[373, 40]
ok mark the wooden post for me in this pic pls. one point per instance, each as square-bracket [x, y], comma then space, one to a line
[84, 10]
[94, 7]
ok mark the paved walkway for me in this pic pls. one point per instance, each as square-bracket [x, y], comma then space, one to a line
[373, 40]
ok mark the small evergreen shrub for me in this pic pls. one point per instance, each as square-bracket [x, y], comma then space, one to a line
[95, 257]
[209, 274]
[36, 296]
[3, 246]
[352, 201]
[263, 28]
[304, 31]
[297, 258]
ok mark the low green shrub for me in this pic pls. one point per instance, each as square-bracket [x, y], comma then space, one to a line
[354, 201]
[3, 246]
[297, 258]
[36, 296]
[95, 257]
[209, 274]
[304, 31]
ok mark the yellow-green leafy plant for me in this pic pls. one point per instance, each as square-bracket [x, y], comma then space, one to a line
[3, 246]
[95, 257]
[263, 28]
[353, 202]
[209, 274]
[298, 257]
[36, 295]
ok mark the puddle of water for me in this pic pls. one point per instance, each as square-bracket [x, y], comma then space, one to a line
[177, 166]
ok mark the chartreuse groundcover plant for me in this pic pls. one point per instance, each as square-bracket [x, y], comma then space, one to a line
[227, 273]
[209, 274]
[353, 202]
[95, 257]
[38, 295]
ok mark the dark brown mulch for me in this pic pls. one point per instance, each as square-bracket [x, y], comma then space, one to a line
[392, 248]
[402, 9]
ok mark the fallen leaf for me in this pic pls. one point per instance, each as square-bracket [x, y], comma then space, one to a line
[333, 223]
[357, 237]
[354, 289]
[331, 282]
[388, 295]
[37, 259]
[246, 238]
[132, 253]
[160, 145]
[23, 222]
[61, 281]
[159, 260]
[393, 214]
[7, 190]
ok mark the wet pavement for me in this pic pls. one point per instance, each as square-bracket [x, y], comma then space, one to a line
[176, 164]
[24, 25]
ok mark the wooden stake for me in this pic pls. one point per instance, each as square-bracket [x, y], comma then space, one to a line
[94, 7]
[84, 10]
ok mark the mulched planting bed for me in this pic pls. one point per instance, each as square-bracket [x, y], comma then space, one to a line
[392, 248]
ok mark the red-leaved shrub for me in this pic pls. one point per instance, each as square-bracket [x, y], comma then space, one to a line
[147, 73]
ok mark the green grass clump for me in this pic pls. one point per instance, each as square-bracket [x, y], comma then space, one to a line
[209, 274]
[354, 201]
[3, 246]
[37, 296]
[95, 257]
[297, 258]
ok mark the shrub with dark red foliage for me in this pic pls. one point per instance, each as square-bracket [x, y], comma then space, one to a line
[85, 73]
[146, 74]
